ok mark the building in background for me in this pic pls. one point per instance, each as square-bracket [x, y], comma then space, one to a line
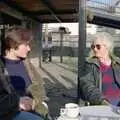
[70, 38]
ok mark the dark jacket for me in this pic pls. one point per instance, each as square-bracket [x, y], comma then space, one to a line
[9, 101]
[36, 89]
[91, 80]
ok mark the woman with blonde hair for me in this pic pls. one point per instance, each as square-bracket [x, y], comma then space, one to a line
[100, 80]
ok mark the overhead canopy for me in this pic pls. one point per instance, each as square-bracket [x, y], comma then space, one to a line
[49, 11]
[7, 19]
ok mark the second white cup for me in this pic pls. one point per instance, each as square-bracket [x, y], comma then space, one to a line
[72, 110]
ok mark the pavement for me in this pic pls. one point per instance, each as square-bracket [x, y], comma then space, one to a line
[60, 82]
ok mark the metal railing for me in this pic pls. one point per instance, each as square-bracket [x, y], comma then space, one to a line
[110, 6]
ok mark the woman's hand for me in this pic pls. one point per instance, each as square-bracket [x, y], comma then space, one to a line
[105, 102]
[26, 103]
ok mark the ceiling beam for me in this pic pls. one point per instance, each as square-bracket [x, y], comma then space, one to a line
[51, 8]
[105, 22]
[15, 6]
[117, 3]
[58, 12]
[65, 20]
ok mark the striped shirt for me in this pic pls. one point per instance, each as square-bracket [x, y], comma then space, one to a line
[110, 89]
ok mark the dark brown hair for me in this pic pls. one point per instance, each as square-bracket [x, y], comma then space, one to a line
[14, 36]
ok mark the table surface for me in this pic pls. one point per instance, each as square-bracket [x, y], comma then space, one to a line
[95, 113]
[99, 112]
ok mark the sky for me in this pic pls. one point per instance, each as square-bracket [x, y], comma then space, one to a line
[73, 27]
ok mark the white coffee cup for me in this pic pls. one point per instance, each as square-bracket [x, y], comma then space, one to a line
[72, 110]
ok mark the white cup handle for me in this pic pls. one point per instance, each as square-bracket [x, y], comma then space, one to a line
[62, 111]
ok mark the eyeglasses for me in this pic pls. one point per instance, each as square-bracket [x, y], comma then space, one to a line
[97, 46]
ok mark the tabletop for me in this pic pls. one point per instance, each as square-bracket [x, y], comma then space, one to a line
[99, 113]
[95, 113]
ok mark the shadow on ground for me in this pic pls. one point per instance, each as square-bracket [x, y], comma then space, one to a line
[58, 94]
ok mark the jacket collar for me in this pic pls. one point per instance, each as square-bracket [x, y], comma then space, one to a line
[115, 59]
[94, 60]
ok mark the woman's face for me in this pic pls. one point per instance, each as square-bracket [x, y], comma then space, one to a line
[22, 50]
[99, 48]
